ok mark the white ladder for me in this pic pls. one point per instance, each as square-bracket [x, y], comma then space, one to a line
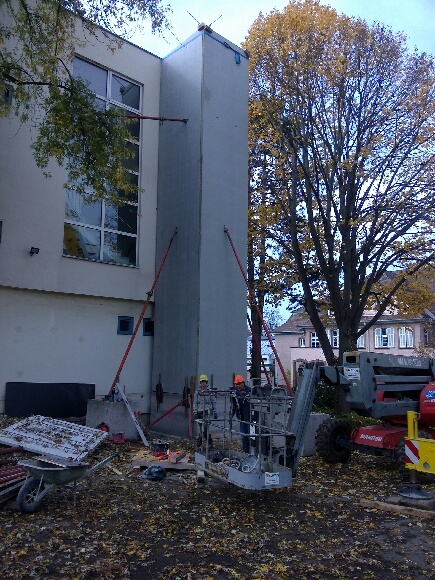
[133, 416]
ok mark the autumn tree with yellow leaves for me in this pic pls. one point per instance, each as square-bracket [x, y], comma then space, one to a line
[37, 43]
[342, 149]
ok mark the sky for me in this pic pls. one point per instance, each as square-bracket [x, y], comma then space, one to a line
[232, 19]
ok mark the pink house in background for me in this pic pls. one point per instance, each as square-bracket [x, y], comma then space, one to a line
[296, 342]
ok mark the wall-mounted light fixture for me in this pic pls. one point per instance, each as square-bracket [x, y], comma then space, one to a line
[34, 251]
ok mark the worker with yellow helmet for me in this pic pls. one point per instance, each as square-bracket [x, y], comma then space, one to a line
[204, 407]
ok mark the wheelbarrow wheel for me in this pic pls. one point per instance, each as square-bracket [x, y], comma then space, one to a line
[29, 497]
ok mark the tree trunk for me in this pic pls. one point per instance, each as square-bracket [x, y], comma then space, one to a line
[256, 344]
[255, 370]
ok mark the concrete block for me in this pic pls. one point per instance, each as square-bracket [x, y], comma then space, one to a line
[115, 415]
[310, 438]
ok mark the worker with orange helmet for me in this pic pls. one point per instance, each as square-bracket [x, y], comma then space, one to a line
[241, 408]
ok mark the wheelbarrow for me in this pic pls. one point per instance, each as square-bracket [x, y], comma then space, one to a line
[45, 473]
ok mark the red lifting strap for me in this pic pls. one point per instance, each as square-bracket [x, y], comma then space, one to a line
[266, 330]
[258, 347]
[145, 306]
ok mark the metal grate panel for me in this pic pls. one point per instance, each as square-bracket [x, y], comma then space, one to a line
[53, 437]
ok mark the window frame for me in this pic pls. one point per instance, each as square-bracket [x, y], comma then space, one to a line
[406, 337]
[334, 338]
[103, 228]
[384, 337]
[145, 331]
[130, 321]
[314, 340]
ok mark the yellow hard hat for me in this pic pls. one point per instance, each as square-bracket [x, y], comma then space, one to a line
[203, 378]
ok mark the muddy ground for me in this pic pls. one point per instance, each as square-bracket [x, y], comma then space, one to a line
[126, 526]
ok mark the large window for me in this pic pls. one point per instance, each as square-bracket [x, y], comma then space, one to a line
[100, 230]
[314, 340]
[384, 337]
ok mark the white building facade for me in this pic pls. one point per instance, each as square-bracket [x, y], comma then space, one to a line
[67, 312]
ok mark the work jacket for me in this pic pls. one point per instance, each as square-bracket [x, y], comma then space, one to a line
[240, 406]
[204, 401]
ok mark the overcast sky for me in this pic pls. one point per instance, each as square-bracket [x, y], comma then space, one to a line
[232, 19]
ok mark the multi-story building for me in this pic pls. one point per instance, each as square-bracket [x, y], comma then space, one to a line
[296, 342]
[74, 276]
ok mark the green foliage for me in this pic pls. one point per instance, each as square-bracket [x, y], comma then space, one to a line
[323, 398]
[90, 143]
[37, 45]
[324, 403]
[355, 421]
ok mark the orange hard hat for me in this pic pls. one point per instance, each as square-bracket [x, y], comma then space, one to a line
[238, 379]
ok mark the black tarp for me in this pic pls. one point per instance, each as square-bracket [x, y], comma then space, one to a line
[56, 400]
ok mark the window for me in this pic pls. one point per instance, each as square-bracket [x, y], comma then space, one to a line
[8, 95]
[100, 230]
[384, 337]
[333, 338]
[406, 337]
[314, 340]
[302, 342]
[360, 343]
[125, 325]
[148, 327]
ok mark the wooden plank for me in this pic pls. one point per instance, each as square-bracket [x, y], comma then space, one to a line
[177, 456]
[165, 464]
[398, 509]
[146, 458]
[114, 469]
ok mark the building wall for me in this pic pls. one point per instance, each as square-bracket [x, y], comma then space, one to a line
[32, 207]
[53, 337]
[59, 315]
[200, 317]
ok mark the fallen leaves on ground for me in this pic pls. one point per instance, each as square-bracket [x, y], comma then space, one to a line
[125, 526]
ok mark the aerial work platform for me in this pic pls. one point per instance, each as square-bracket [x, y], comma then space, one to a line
[276, 429]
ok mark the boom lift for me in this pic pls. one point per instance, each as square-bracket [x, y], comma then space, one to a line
[384, 387]
[277, 427]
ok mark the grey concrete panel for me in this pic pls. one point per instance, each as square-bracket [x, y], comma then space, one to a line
[115, 415]
[316, 419]
[200, 299]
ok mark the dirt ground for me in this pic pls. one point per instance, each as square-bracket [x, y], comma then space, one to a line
[126, 526]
